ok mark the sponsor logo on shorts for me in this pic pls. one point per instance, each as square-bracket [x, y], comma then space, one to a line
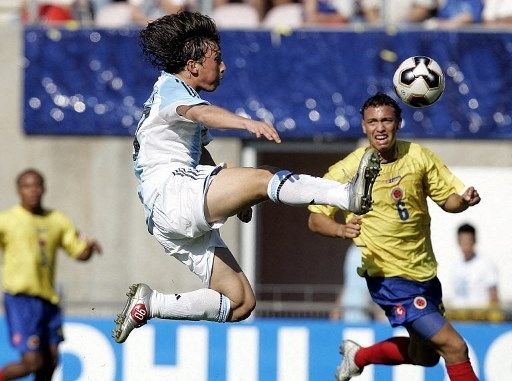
[16, 338]
[420, 302]
[33, 342]
[399, 311]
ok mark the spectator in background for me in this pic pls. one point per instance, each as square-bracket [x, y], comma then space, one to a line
[354, 303]
[259, 5]
[148, 10]
[497, 13]
[395, 12]
[474, 277]
[328, 12]
[55, 11]
[452, 14]
[29, 237]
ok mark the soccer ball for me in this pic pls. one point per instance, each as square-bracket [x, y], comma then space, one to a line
[419, 81]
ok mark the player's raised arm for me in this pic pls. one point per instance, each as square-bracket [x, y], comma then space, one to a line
[218, 118]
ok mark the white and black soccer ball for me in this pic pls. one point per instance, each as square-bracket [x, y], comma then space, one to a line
[419, 81]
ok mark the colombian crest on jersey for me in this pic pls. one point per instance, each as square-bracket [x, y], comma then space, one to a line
[397, 194]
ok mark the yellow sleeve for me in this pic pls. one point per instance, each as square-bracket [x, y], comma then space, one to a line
[71, 242]
[440, 182]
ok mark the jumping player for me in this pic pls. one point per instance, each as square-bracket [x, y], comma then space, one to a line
[187, 197]
[397, 258]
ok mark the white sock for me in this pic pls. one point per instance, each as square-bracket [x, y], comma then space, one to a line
[202, 304]
[293, 189]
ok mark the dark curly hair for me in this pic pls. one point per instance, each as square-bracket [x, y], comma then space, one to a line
[170, 41]
[381, 99]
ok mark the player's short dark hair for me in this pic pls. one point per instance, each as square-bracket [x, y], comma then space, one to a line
[30, 171]
[381, 99]
[170, 41]
[466, 228]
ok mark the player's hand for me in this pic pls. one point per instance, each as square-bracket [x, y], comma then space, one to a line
[94, 246]
[264, 129]
[351, 229]
[471, 196]
[245, 215]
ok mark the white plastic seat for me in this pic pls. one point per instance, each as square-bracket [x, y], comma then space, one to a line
[114, 15]
[284, 15]
[236, 15]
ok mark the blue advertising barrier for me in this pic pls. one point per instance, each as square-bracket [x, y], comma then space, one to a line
[261, 350]
[310, 84]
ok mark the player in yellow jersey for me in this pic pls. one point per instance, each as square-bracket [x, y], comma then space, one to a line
[29, 238]
[397, 258]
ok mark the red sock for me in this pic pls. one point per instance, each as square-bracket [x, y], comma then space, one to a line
[2, 377]
[393, 351]
[462, 371]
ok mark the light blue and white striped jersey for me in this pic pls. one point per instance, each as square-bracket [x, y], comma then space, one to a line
[164, 140]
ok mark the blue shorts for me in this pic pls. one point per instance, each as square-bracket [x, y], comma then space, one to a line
[405, 300]
[34, 323]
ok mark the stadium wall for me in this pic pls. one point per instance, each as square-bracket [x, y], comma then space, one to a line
[90, 178]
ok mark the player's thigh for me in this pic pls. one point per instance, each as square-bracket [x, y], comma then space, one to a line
[234, 189]
[228, 278]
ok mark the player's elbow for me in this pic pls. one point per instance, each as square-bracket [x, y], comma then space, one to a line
[313, 223]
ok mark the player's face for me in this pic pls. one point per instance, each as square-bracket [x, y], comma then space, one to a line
[31, 190]
[211, 69]
[380, 125]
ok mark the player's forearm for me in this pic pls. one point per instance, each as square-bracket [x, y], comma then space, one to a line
[90, 249]
[321, 224]
[494, 299]
[216, 117]
[455, 204]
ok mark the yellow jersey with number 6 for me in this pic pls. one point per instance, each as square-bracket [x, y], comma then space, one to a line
[395, 234]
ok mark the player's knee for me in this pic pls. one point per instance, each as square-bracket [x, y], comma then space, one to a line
[243, 309]
[33, 362]
[456, 348]
[427, 360]
[422, 355]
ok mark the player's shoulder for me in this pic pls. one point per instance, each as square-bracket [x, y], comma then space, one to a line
[12, 211]
[415, 150]
[57, 214]
[169, 85]
[349, 161]
[356, 154]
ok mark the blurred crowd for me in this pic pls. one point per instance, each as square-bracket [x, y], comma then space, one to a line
[271, 13]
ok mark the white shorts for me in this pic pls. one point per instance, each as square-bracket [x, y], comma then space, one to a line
[179, 221]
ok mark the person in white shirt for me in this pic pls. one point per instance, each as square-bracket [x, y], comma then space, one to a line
[187, 197]
[475, 277]
[397, 12]
[497, 13]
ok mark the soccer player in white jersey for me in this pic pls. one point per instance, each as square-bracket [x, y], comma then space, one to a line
[187, 197]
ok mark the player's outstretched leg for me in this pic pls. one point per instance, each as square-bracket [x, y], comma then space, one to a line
[360, 193]
[135, 313]
[348, 367]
